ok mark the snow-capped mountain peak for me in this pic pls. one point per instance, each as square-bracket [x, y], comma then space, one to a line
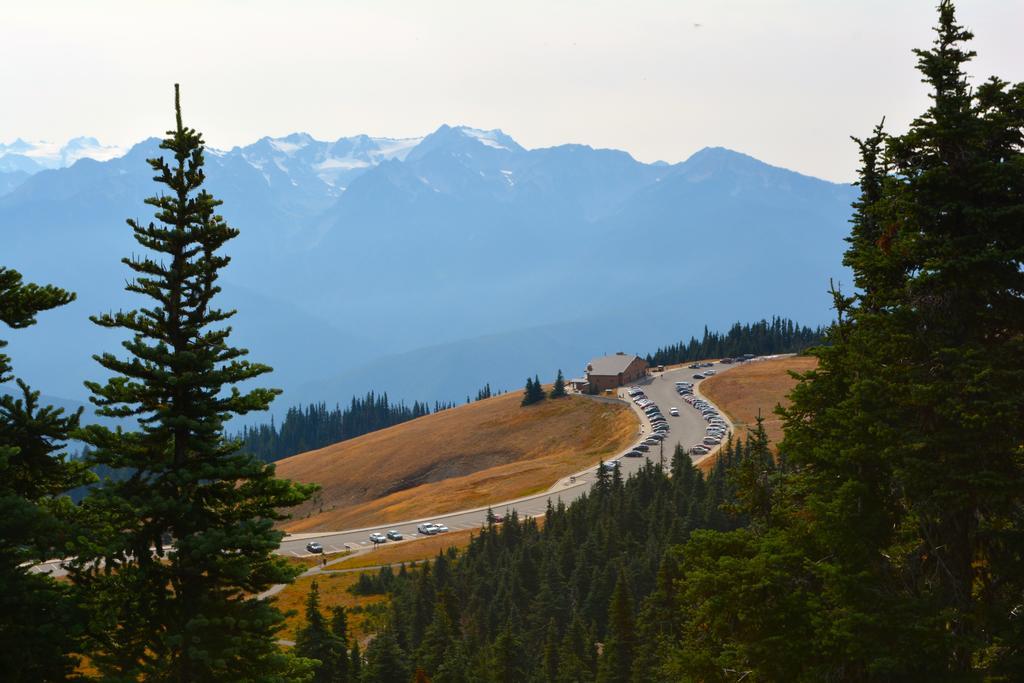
[48, 155]
[491, 138]
[300, 159]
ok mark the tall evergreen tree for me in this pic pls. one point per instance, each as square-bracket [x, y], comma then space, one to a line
[355, 662]
[180, 549]
[534, 392]
[339, 628]
[558, 390]
[924, 444]
[901, 522]
[316, 640]
[529, 392]
[616, 664]
[386, 661]
[38, 621]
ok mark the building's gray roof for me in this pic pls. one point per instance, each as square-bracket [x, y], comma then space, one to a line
[610, 365]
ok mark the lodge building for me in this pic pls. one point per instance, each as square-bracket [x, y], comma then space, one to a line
[611, 372]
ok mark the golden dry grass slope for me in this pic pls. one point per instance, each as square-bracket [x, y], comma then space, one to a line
[759, 386]
[465, 457]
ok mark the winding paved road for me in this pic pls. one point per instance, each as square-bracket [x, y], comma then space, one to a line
[686, 429]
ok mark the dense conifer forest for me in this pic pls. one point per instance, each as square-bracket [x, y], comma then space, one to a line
[779, 335]
[538, 599]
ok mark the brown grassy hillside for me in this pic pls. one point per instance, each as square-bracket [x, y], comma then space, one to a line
[760, 385]
[464, 457]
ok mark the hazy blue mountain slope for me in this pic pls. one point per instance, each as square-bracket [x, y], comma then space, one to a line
[455, 370]
[9, 180]
[375, 263]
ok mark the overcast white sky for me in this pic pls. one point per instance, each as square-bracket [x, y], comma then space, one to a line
[784, 80]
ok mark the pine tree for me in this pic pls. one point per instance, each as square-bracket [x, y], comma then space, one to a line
[507, 663]
[576, 656]
[355, 662]
[39, 626]
[534, 392]
[549, 661]
[558, 391]
[386, 662]
[456, 667]
[529, 393]
[339, 628]
[617, 658]
[908, 436]
[316, 641]
[897, 550]
[754, 477]
[178, 550]
[436, 639]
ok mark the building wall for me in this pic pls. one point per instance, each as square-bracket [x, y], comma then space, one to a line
[634, 371]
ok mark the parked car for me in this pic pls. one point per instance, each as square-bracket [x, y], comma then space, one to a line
[427, 529]
[698, 376]
[673, 411]
[611, 465]
[441, 528]
[394, 535]
[657, 436]
[634, 454]
[314, 547]
[642, 447]
[650, 441]
[377, 537]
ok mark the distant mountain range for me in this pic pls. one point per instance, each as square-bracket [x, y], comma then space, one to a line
[426, 267]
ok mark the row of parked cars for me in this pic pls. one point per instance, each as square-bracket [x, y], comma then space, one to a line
[427, 529]
[659, 424]
[717, 428]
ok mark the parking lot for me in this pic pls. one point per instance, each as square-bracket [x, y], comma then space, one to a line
[686, 429]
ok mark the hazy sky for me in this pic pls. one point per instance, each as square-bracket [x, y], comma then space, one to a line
[787, 81]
